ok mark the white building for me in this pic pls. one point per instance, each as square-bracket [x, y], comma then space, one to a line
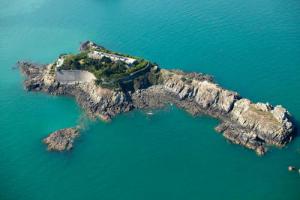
[59, 62]
[113, 57]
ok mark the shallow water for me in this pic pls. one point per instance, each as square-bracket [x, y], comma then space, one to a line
[251, 47]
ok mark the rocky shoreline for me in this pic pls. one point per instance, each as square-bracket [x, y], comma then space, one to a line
[252, 125]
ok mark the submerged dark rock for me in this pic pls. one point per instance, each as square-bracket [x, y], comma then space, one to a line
[252, 125]
[292, 168]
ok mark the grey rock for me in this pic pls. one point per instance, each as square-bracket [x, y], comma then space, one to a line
[62, 140]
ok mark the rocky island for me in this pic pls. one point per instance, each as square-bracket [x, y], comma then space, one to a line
[62, 140]
[106, 83]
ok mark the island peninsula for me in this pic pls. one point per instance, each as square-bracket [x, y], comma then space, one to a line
[106, 83]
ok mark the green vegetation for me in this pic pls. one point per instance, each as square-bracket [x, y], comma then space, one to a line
[145, 80]
[107, 72]
[183, 79]
[52, 69]
[186, 80]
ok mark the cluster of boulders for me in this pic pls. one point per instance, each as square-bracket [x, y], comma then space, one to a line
[253, 125]
[62, 140]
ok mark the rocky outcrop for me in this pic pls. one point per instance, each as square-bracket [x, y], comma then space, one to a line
[89, 45]
[242, 122]
[252, 125]
[62, 140]
[97, 101]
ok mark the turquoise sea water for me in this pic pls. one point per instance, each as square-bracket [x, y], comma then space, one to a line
[252, 47]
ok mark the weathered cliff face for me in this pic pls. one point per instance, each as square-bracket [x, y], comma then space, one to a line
[242, 122]
[200, 89]
[253, 125]
[96, 101]
[39, 77]
[102, 102]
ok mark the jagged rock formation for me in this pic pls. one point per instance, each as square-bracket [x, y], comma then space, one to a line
[61, 140]
[242, 122]
[253, 125]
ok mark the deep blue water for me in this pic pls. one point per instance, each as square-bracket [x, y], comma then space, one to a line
[252, 47]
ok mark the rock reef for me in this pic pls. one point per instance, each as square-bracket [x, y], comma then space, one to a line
[61, 140]
[252, 125]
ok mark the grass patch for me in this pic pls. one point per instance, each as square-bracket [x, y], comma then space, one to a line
[108, 73]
